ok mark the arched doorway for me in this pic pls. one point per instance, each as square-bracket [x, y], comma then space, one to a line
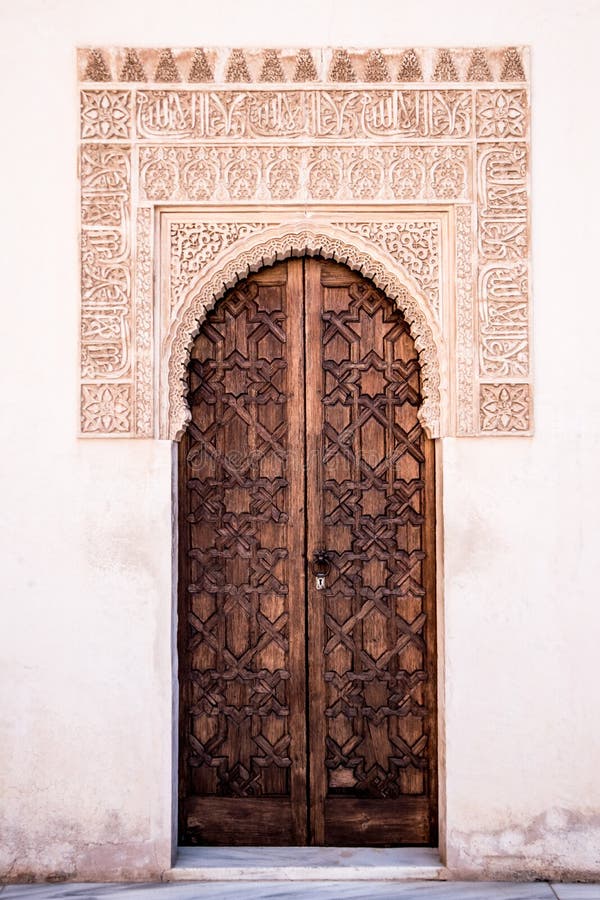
[307, 570]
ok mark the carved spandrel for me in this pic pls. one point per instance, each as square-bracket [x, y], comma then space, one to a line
[416, 245]
[194, 245]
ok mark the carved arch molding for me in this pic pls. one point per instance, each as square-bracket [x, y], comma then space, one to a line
[198, 166]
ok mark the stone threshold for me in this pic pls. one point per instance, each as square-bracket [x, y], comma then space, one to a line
[305, 864]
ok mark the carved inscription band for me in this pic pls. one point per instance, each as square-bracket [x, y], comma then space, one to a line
[419, 156]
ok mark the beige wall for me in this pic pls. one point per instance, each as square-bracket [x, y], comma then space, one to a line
[85, 775]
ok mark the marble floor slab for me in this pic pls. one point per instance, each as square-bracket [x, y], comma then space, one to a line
[577, 891]
[305, 863]
[310, 890]
[307, 856]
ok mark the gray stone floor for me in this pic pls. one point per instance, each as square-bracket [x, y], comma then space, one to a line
[267, 864]
[313, 890]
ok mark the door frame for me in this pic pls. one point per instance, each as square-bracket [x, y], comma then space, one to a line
[440, 645]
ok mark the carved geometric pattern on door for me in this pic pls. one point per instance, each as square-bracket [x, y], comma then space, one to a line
[251, 639]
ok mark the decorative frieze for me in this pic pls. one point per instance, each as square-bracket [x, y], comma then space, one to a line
[309, 64]
[428, 146]
[335, 114]
[273, 173]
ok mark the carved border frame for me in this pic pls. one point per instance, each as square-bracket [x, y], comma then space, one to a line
[297, 140]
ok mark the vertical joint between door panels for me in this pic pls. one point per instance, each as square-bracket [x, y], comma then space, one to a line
[306, 562]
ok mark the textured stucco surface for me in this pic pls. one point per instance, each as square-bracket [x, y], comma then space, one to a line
[85, 774]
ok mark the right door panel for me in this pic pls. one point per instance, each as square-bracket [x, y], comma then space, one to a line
[371, 629]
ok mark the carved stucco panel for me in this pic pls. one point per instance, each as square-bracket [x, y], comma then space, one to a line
[433, 130]
[273, 173]
[325, 113]
[504, 247]
[106, 299]
[144, 345]
[505, 407]
[415, 246]
[192, 246]
[308, 65]
[465, 322]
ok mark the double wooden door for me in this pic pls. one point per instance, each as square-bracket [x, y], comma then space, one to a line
[307, 570]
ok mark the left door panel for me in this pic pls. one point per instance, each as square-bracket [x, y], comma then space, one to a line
[241, 590]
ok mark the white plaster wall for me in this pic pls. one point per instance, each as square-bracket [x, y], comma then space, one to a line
[85, 774]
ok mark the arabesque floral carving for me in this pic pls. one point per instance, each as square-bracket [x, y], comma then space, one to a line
[312, 173]
[505, 408]
[501, 114]
[415, 245]
[106, 408]
[105, 114]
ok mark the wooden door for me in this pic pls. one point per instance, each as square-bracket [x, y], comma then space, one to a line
[307, 714]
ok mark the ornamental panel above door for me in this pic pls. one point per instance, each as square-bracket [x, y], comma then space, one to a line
[409, 164]
[307, 570]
